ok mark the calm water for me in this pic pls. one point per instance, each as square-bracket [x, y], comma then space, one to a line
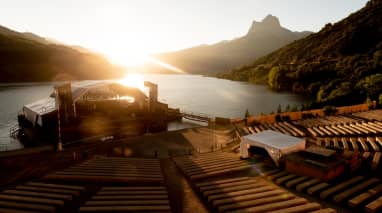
[192, 93]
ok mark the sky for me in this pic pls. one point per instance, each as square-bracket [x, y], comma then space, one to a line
[127, 31]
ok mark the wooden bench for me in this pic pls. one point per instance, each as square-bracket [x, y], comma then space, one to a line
[209, 155]
[143, 188]
[336, 144]
[327, 210]
[128, 192]
[344, 128]
[340, 131]
[340, 186]
[345, 143]
[312, 190]
[110, 169]
[355, 189]
[56, 186]
[301, 208]
[48, 190]
[39, 194]
[283, 130]
[248, 197]
[240, 193]
[227, 189]
[274, 200]
[130, 197]
[209, 164]
[275, 205]
[216, 167]
[282, 180]
[301, 133]
[27, 206]
[363, 144]
[294, 182]
[325, 131]
[123, 174]
[278, 175]
[125, 208]
[354, 129]
[187, 162]
[8, 210]
[300, 187]
[220, 181]
[236, 183]
[373, 143]
[354, 144]
[126, 202]
[312, 132]
[356, 201]
[117, 164]
[32, 199]
[376, 160]
[374, 206]
[99, 178]
[218, 172]
[197, 167]
[270, 172]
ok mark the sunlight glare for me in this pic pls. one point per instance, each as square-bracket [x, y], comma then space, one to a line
[133, 80]
[126, 59]
[165, 65]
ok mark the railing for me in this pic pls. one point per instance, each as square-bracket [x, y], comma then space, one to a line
[196, 116]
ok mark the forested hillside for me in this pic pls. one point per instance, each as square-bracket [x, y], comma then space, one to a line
[262, 38]
[28, 57]
[341, 64]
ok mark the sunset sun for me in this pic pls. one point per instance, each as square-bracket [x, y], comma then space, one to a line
[133, 80]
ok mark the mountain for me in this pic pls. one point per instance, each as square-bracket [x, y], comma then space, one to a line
[262, 38]
[26, 57]
[341, 64]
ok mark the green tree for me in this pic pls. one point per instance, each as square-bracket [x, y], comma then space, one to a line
[247, 114]
[294, 108]
[279, 110]
[273, 76]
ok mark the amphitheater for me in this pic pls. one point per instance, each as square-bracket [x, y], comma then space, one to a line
[119, 177]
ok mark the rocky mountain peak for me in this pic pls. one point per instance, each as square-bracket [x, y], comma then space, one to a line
[271, 20]
[269, 23]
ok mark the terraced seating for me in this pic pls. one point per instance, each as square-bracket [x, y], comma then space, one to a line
[129, 199]
[38, 197]
[330, 126]
[368, 147]
[365, 144]
[356, 129]
[353, 191]
[374, 206]
[326, 121]
[241, 131]
[211, 164]
[283, 127]
[112, 169]
[370, 115]
[251, 194]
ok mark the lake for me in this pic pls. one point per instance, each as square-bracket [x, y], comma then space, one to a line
[191, 93]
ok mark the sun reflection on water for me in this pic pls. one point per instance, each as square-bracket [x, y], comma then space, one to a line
[133, 80]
